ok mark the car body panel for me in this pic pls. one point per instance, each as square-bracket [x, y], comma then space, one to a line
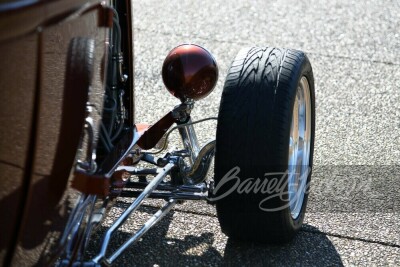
[35, 162]
[18, 86]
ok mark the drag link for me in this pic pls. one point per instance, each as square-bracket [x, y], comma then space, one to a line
[168, 195]
[167, 187]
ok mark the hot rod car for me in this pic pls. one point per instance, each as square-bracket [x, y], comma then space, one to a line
[70, 144]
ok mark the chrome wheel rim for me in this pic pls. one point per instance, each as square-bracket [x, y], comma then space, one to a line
[299, 148]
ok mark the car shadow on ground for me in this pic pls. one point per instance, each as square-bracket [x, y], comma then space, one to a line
[157, 248]
[309, 248]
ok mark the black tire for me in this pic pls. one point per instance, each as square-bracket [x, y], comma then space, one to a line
[78, 80]
[254, 125]
[78, 87]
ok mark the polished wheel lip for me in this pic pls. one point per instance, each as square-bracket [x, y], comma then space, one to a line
[299, 148]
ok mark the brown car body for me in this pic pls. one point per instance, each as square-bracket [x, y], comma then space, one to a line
[40, 119]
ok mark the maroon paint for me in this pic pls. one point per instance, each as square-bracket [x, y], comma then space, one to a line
[190, 71]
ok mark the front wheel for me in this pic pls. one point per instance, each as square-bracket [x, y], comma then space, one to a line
[265, 142]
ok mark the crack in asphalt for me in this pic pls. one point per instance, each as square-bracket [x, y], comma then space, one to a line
[383, 243]
[249, 44]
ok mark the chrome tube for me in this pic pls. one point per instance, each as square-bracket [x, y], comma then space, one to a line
[132, 208]
[197, 173]
[190, 141]
[150, 223]
[89, 165]
[76, 222]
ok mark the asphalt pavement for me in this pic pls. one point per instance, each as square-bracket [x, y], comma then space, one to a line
[354, 205]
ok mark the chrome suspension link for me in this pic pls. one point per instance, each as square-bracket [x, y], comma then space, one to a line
[189, 139]
[150, 223]
[101, 257]
[79, 218]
